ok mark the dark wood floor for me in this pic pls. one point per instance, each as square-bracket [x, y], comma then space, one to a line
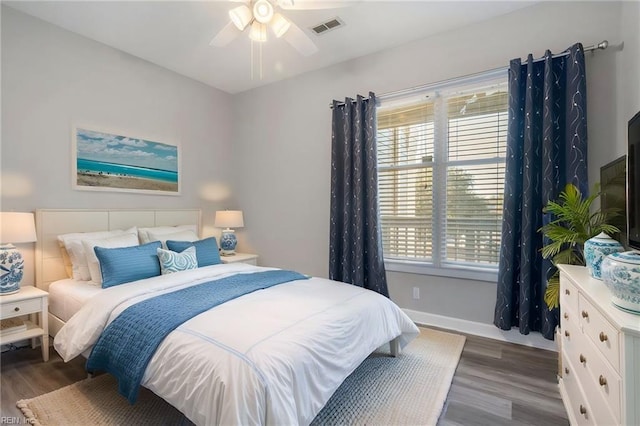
[496, 383]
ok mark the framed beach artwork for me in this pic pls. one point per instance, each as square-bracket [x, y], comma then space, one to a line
[104, 161]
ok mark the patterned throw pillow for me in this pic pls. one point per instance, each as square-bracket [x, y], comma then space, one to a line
[171, 262]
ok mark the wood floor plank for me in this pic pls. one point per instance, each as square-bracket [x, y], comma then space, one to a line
[461, 413]
[484, 401]
[482, 348]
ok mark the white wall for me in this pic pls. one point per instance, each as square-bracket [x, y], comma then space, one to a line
[52, 78]
[282, 135]
[628, 67]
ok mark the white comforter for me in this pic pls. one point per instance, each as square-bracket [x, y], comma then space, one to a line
[274, 356]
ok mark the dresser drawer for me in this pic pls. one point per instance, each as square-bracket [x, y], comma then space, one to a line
[22, 307]
[572, 337]
[584, 361]
[568, 295]
[604, 336]
[605, 381]
[576, 403]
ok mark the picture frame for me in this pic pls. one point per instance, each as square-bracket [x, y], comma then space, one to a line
[112, 161]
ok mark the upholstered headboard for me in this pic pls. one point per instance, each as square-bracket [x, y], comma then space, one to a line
[50, 223]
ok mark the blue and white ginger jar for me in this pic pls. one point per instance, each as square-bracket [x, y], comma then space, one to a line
[621, 275]
[596, 249]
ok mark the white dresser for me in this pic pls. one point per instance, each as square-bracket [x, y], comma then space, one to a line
[600, 353]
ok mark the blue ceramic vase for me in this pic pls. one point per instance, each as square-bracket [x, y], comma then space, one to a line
[621, 275]
[596, 249]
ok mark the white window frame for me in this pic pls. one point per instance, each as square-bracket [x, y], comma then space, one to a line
[438, 267]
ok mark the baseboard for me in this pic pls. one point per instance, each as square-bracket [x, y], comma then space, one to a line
[533, 339]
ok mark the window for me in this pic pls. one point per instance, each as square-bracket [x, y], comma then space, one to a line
[441, 163]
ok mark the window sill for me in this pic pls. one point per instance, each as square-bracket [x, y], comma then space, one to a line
[468, 273]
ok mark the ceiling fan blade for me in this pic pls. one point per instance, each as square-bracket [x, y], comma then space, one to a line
[225, 35]
[300, 41]
[315, 4]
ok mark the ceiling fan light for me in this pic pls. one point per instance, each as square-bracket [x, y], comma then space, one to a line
[240, 16]
[280, 25]
[258, 32]
[263, 11]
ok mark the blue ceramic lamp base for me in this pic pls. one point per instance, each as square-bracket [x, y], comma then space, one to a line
[11, 269]
[228, 242]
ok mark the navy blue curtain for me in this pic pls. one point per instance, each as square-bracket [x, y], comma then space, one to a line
[546, 149]
[355, 241]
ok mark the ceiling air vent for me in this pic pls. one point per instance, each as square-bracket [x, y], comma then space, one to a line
[325, 27]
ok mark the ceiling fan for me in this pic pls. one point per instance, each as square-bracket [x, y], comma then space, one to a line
[258, 15]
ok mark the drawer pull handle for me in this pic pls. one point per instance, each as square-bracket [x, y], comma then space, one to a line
[566, 370]
[17, 308]
[602, 380]
[566, 333]
[566, 315]
[583, 410]
[585, 314]
[582, 359]
[603, 337]
[567, 292]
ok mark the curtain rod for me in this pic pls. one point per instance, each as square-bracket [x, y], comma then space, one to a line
[600, 46]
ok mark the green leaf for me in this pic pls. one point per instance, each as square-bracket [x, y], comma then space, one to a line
[552, 293]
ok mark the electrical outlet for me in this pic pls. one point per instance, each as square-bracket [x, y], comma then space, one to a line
[416, 293]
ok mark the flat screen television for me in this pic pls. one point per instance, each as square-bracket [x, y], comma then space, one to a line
[633, 185]
[613, 196]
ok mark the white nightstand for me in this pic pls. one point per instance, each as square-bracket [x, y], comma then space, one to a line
[251, 259]
[28, 301]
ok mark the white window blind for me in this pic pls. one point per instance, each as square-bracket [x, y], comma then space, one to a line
[441, 163]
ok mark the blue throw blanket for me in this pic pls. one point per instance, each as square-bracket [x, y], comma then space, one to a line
[127, 344]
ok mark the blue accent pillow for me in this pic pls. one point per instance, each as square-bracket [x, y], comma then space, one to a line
[171, 261]
[125, 264]
[207, 251]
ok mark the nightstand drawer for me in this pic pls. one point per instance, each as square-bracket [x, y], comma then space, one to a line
[250, 259]
[22, 307]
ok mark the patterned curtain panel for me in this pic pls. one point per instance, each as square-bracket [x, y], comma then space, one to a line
[547, 148]
[355, 251]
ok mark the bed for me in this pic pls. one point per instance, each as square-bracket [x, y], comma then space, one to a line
[272, 356]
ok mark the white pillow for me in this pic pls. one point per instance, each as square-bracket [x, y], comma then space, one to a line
[72, 243]
[124, 240]
[145, 238]
[184, 235]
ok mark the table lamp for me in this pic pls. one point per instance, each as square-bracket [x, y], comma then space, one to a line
[228, 219]
[14, 228]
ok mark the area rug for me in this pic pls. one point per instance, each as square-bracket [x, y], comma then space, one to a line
[409, 390]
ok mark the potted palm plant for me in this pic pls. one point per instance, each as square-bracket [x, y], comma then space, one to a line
[574, 223]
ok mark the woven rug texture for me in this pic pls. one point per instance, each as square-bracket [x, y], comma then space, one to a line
[408, 390]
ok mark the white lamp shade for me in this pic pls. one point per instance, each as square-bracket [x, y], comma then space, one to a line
[17, 227]
[229, 219]
[258, 32]
[240, 16]
[280, 25]
[263, 11]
